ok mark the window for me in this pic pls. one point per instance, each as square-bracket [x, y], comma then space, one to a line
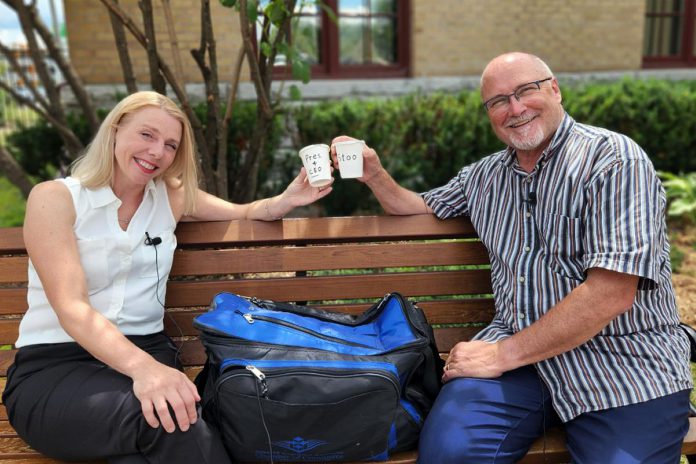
[364, 38]
[669, 34]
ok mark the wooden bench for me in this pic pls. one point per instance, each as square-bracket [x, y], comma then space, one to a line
[440, 264]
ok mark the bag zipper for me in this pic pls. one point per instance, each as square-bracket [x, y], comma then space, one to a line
[256, 317]
[378, 371]
[261, 377]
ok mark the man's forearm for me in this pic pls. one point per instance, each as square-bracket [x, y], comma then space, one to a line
[573, 321]
[395, 199]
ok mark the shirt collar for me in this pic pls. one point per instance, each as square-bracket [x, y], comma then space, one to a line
[557, 141]
[103, 196]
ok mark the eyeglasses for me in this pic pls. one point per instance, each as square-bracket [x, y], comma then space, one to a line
[523, 91]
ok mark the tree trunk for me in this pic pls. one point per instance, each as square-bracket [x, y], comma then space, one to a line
[123, 55]
[212, 94]
[14, 172]
[247, 177]
[156, 80]
[222, 174]
[174, 43]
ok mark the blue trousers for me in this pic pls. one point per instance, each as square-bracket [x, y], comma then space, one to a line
[496, 420]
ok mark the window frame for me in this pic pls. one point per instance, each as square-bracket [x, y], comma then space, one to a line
[687, 58]
[329, 47]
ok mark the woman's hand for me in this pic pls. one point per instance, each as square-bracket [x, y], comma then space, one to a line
[300, 193]
[159, 387]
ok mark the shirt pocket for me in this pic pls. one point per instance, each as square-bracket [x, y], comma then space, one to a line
[157, 259]
[562, 241]
[94, 257]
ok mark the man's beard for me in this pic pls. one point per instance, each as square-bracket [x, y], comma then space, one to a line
[531, 137]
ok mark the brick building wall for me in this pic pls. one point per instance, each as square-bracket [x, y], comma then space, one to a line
[93, 51]
[449, 37]
[455, 37]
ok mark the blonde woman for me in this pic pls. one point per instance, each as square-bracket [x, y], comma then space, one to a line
[94, 376]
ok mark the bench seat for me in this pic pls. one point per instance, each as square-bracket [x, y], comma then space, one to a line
[334, 263]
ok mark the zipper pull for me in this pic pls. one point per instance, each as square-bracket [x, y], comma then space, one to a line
[246, 316]
[261, 377]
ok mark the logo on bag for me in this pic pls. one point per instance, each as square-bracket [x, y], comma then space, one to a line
[299, 445]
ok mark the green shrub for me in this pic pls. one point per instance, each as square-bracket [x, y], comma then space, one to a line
[11, 205]
[681, 194]
[423, 140]
[659, 115]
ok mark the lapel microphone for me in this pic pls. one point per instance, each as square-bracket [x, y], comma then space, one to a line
[531, 200]
[154, 241]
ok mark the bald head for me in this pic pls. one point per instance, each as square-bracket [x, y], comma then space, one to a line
[509, 66]
[523, 103]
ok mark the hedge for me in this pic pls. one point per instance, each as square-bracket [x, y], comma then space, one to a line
[424, 139]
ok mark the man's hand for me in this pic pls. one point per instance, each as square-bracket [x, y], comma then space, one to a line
[474, 359]
[372, 166]
[159, 387]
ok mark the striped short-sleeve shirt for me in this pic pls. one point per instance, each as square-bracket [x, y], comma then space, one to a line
[592, 201]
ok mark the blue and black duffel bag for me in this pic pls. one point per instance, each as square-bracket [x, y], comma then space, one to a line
[286, 382]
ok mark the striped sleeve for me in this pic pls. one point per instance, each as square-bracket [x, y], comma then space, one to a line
[623, 201]
[450, 199]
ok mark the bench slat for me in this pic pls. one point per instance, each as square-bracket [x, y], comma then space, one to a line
[200, 293]
[321, 230]
[354, 256]
[13, 269]
[180, 323]
[194, 293]
[11, 240]
[13, 300]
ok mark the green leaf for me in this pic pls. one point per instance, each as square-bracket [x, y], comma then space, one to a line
[266, 48]
[681, 207]
[284, 49]
[228, 3]
[300, 70]
[295, 93]
[253, 10]
[276, 12]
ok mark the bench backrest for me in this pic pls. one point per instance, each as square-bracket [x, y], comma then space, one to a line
[341, 264]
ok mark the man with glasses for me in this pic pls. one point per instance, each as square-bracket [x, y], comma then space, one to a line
[585, 330]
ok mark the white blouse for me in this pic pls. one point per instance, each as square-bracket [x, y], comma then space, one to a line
[120, 268]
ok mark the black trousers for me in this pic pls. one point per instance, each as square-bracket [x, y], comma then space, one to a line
[68, 405]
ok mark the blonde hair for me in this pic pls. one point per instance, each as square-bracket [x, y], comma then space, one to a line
[95, 167]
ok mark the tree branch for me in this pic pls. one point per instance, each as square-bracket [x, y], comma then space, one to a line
[246, 27]
[178, 67]
[156, 80]
[210, 78]
[49, 85]
[73, 144]
[68, 71]
[123, 55]
[12, 60]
